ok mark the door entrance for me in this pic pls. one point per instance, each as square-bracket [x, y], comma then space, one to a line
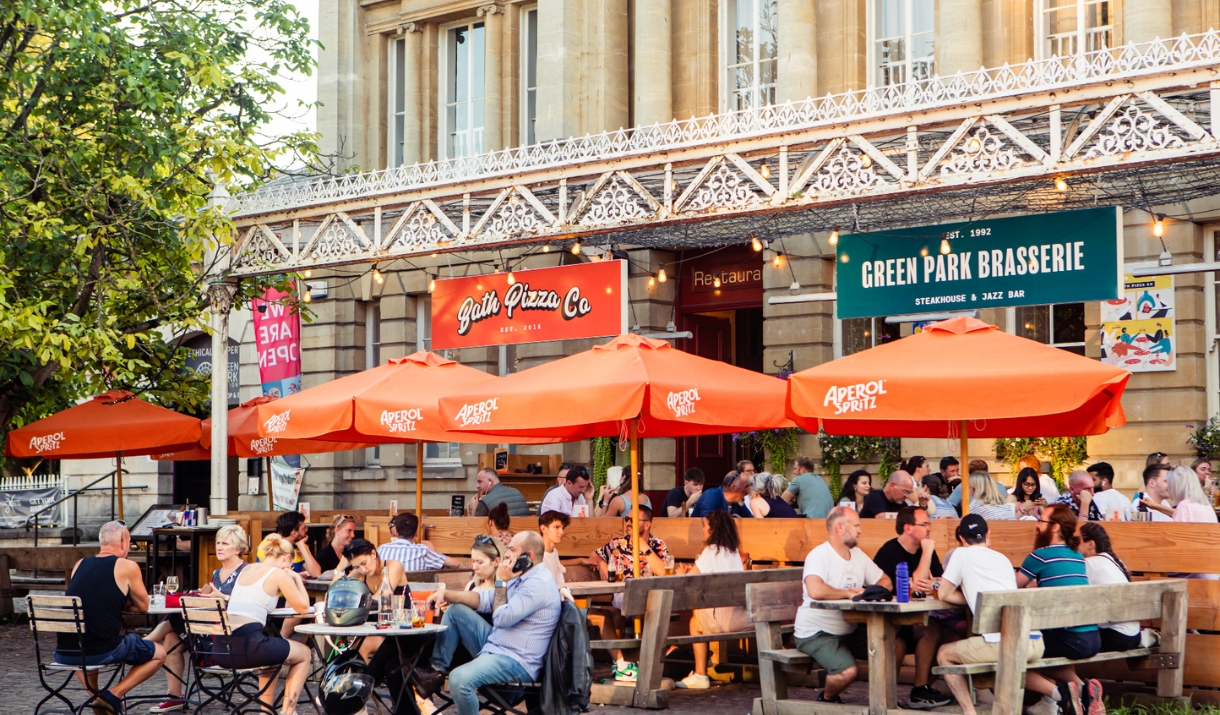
[713, 339]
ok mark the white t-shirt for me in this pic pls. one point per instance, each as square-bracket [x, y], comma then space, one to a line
[824, 562]
[551, 560]
[1156, 515]
[1112, 500]
[714, 559]
[559, 500]
[1103, 571]
[978, 569]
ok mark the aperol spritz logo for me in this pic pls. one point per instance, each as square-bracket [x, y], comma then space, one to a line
[478, 413]
[859, 397]
[277, 423]
[401, 420]
[682, 404]
[262, 446]
[47, 442]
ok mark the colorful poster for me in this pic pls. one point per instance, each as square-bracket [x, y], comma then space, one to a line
[1137, 329]
[285, 485]
[277, 336]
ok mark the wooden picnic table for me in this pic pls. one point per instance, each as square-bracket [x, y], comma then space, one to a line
[585, 589]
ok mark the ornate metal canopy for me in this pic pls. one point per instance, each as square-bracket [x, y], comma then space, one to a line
[1135, 126]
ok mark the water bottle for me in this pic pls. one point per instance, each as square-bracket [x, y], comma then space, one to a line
[902, 589]
[385, 600]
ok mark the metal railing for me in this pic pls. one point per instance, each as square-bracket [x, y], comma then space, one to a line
[32, 519]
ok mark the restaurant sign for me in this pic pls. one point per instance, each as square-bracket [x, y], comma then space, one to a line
[587, 300]
[1064, 257]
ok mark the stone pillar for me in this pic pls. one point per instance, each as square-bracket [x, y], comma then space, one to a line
[493, 32]
[842, 46]
[341, 82]
[412, 124]
[797, 70]
[653, 75]
[220, 300]
[559, 81]
[698, 67]
[1146, 20]
[963, 50]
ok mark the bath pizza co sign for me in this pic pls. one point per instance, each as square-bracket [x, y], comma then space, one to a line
[531, 306]
[1064, 257]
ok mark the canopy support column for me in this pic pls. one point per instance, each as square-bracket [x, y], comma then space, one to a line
[635, 498]
[220, 299]
[419, 483]
[270, 496]
[963, 470]
[118, 481]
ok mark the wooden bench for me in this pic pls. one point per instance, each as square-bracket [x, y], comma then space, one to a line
[656, 599]
[772, 608]
[1013, 614]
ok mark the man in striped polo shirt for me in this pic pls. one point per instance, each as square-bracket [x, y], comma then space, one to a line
[1056, 561]
[412, 556]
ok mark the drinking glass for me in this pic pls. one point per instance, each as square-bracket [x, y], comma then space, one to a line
[418, 608]
[158, 595]
[171, 584]
[669, 565]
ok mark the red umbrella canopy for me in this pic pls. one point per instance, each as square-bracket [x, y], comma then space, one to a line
[593, 393]
[960, 369]
[114, 421]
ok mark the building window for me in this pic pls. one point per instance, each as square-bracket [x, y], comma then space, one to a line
[398, 101]
[904, 37]
[435, 453]
[752, 52]
[1071, 27]
[372, 358]
[529, 74]
[463, 90]
[1060, 325]
[860, 334]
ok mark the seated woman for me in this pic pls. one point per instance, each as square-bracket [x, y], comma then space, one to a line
[231, 545]
[766, 497]
[1028, 495]
[1104, 567]
[251, 600]
[364, 564]
[617, 502]
[497, 525]
[987, 500]
[340, 534]
[721, 554]
[938, 496]
[859, 483]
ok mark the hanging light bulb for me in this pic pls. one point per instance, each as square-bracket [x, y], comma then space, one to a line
[576, 248]
[923, 252]
[513, 200]
[377, 276]
[546, 248]
[307, 297]
[945, 248]
[1061, 184]
[756, 244]
[834, 236]
[1158, 226]
[716, 281]
[308, 273]
[661, 277]
[652, 281]
[779, 259]
[511, 278]
[765, 170]
[431, 283]
[866, 161]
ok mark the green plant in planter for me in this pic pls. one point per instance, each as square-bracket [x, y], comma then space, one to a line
[838, 449]
[779, 445]
[1206, 439]
[1063, 453]
[603, 459]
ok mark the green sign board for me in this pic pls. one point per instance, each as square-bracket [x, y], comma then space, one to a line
[1064, 257]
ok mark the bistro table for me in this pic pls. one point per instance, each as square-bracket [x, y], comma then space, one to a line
[881, 618]
[370, 630]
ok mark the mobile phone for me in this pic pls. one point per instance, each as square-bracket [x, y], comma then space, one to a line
[522, 564]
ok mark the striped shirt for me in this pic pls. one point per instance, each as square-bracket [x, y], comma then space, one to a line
[413, 557]
[523, 626]
[1057, 565]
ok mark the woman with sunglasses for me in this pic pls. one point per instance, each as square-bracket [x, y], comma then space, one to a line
[340, 534]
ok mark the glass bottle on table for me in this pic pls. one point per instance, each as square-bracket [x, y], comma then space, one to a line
[385, 600]
[611, 571]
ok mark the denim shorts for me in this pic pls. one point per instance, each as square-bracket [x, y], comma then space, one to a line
[132, 650]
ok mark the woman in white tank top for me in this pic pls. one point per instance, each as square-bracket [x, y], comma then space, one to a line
[254, 596]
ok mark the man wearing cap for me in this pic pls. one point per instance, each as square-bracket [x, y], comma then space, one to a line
[971, 570]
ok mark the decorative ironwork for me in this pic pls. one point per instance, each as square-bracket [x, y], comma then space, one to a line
[420, 230]
[337, 239]
[982, 152]
[722, 188]
[616, 202]
[260, 249]
[846, 173]
[1134, 130]
[514, 217]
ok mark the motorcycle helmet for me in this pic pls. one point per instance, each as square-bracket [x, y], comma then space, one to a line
[346, 686]
[348, 602]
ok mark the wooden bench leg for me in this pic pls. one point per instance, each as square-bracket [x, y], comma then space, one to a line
[1010, 670]
[1173, 640]
[882, 664]
[773, 681]
[652, 646]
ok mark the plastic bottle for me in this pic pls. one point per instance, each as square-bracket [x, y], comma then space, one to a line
[385, 600]
[902, 589]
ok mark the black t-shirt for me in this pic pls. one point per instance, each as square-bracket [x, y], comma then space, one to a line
[877, 503]
[675, 498]
[327, 558]
[891, 554]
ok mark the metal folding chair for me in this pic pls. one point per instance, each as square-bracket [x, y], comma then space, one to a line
[64, 614]
[205, 620]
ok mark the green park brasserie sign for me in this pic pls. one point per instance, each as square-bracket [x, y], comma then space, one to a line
[1064, 257]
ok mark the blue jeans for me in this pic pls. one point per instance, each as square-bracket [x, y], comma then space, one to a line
[486, 669]
[465, 626]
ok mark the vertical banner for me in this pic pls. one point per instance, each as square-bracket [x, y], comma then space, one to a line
[285, 485]
[277, 336]
[1137, 329]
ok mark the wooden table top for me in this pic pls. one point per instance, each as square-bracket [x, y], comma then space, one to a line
[915, 606]
[367, 630]
[582, 589]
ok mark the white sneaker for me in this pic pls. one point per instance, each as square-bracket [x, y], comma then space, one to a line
[425, 705]
[694, 681]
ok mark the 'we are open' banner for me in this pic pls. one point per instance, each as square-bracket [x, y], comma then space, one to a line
[277, 336]
[588, 300]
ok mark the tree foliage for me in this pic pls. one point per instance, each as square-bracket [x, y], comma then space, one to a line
[117, 119]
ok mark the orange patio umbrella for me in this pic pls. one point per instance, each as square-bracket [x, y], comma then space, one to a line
[395, 402]
[114, 423]
[630, 386]
[960, 378]
[245, 441]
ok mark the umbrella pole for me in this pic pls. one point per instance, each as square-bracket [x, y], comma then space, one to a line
[270, 498]
[419, 482]
[118, 475]
[635, 499]
[964, 468]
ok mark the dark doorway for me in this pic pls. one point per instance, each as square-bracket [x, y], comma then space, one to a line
[713, 339]
[193, 482]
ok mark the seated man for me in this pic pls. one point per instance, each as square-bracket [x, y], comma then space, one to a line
[570, 498]
[1079, 497]
[107, 585]
[524, 608]
[975, 569]
[291, 525]
[898, 489]
[835, 569]
[551, 525]
[412, 556]
[730, 496]
[617, 555]
[680, 500]
[915, 548]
